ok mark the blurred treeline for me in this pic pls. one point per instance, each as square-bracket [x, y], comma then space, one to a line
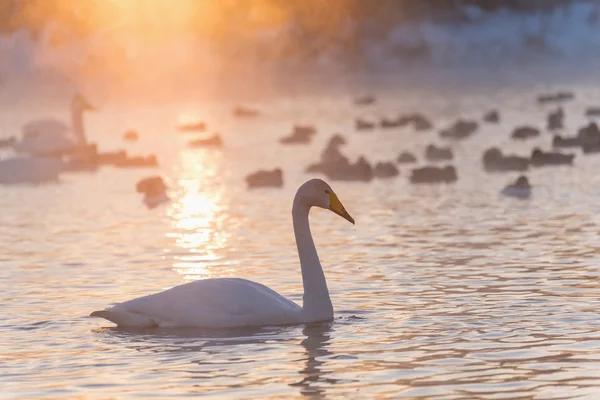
[233, 19]
[290, 30]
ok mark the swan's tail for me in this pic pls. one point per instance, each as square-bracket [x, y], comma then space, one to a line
[125, 318]
[101, 314]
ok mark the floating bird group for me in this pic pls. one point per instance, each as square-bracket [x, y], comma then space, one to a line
[335, 165]
[495, 161]
[50, 147]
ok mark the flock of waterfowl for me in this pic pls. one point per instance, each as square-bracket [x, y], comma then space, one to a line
[335, 165]
[234, 302]
[49, 148]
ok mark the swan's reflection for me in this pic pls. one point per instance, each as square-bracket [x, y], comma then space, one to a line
[222, 343]
[315, 345]
[190, 340]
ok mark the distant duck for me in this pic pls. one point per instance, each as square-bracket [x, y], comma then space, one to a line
[9, 142]
[420, 122]
[388, 123]
[556, 120]
[520, 188]
[431, 174]
[365, 100]
[154, 190]
[406, 158]
[525, 132]
[492, 116]
[555, 97]
[192, 127]
[295, 139]
[30, 170]
[360, 171]
[265, 178]
[363, 125]
[111, 158]
[213, 141]
[82, 159]
[331, 156]
[50, 136]
[495, 161]
[560, 141]
[433, 153]
[137, 162]
[589, 148]
[304, 130]
[302, 134]
[461, 129]
[589, 134]
[335, 142]
[245, 112]
[385, 170]
[592, 112]
[331, 153]
[130, 136]
[540, 158]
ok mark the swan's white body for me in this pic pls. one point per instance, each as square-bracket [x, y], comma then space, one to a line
[231, 302]
[48, 135]
[213, 303]
[29, 170]
[45, 136]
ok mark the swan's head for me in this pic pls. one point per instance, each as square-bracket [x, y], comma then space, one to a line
[318, 193]
[81, 104]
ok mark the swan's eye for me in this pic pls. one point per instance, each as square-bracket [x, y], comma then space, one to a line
[327, 191]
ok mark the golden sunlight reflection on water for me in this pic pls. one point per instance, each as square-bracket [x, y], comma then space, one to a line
[197, 215]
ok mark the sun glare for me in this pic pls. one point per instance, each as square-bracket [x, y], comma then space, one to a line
[196, 218]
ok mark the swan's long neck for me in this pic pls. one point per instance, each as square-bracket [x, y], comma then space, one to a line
[77, 120]
[316, 302]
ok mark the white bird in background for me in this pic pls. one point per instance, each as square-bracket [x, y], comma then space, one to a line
[30, 170]
[234, 302]
[49, 136]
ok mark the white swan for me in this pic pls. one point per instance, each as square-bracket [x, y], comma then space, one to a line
[47, 136]
[232, 302]
[29, 170]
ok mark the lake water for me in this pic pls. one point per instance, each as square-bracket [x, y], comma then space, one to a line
[441, 292]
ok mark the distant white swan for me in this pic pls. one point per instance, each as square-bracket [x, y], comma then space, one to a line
[232, 302]
[48, 135]
[29, 170]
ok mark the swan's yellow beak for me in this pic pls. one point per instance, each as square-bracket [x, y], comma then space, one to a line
[337, 207]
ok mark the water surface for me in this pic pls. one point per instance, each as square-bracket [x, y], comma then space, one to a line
[441, 292]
